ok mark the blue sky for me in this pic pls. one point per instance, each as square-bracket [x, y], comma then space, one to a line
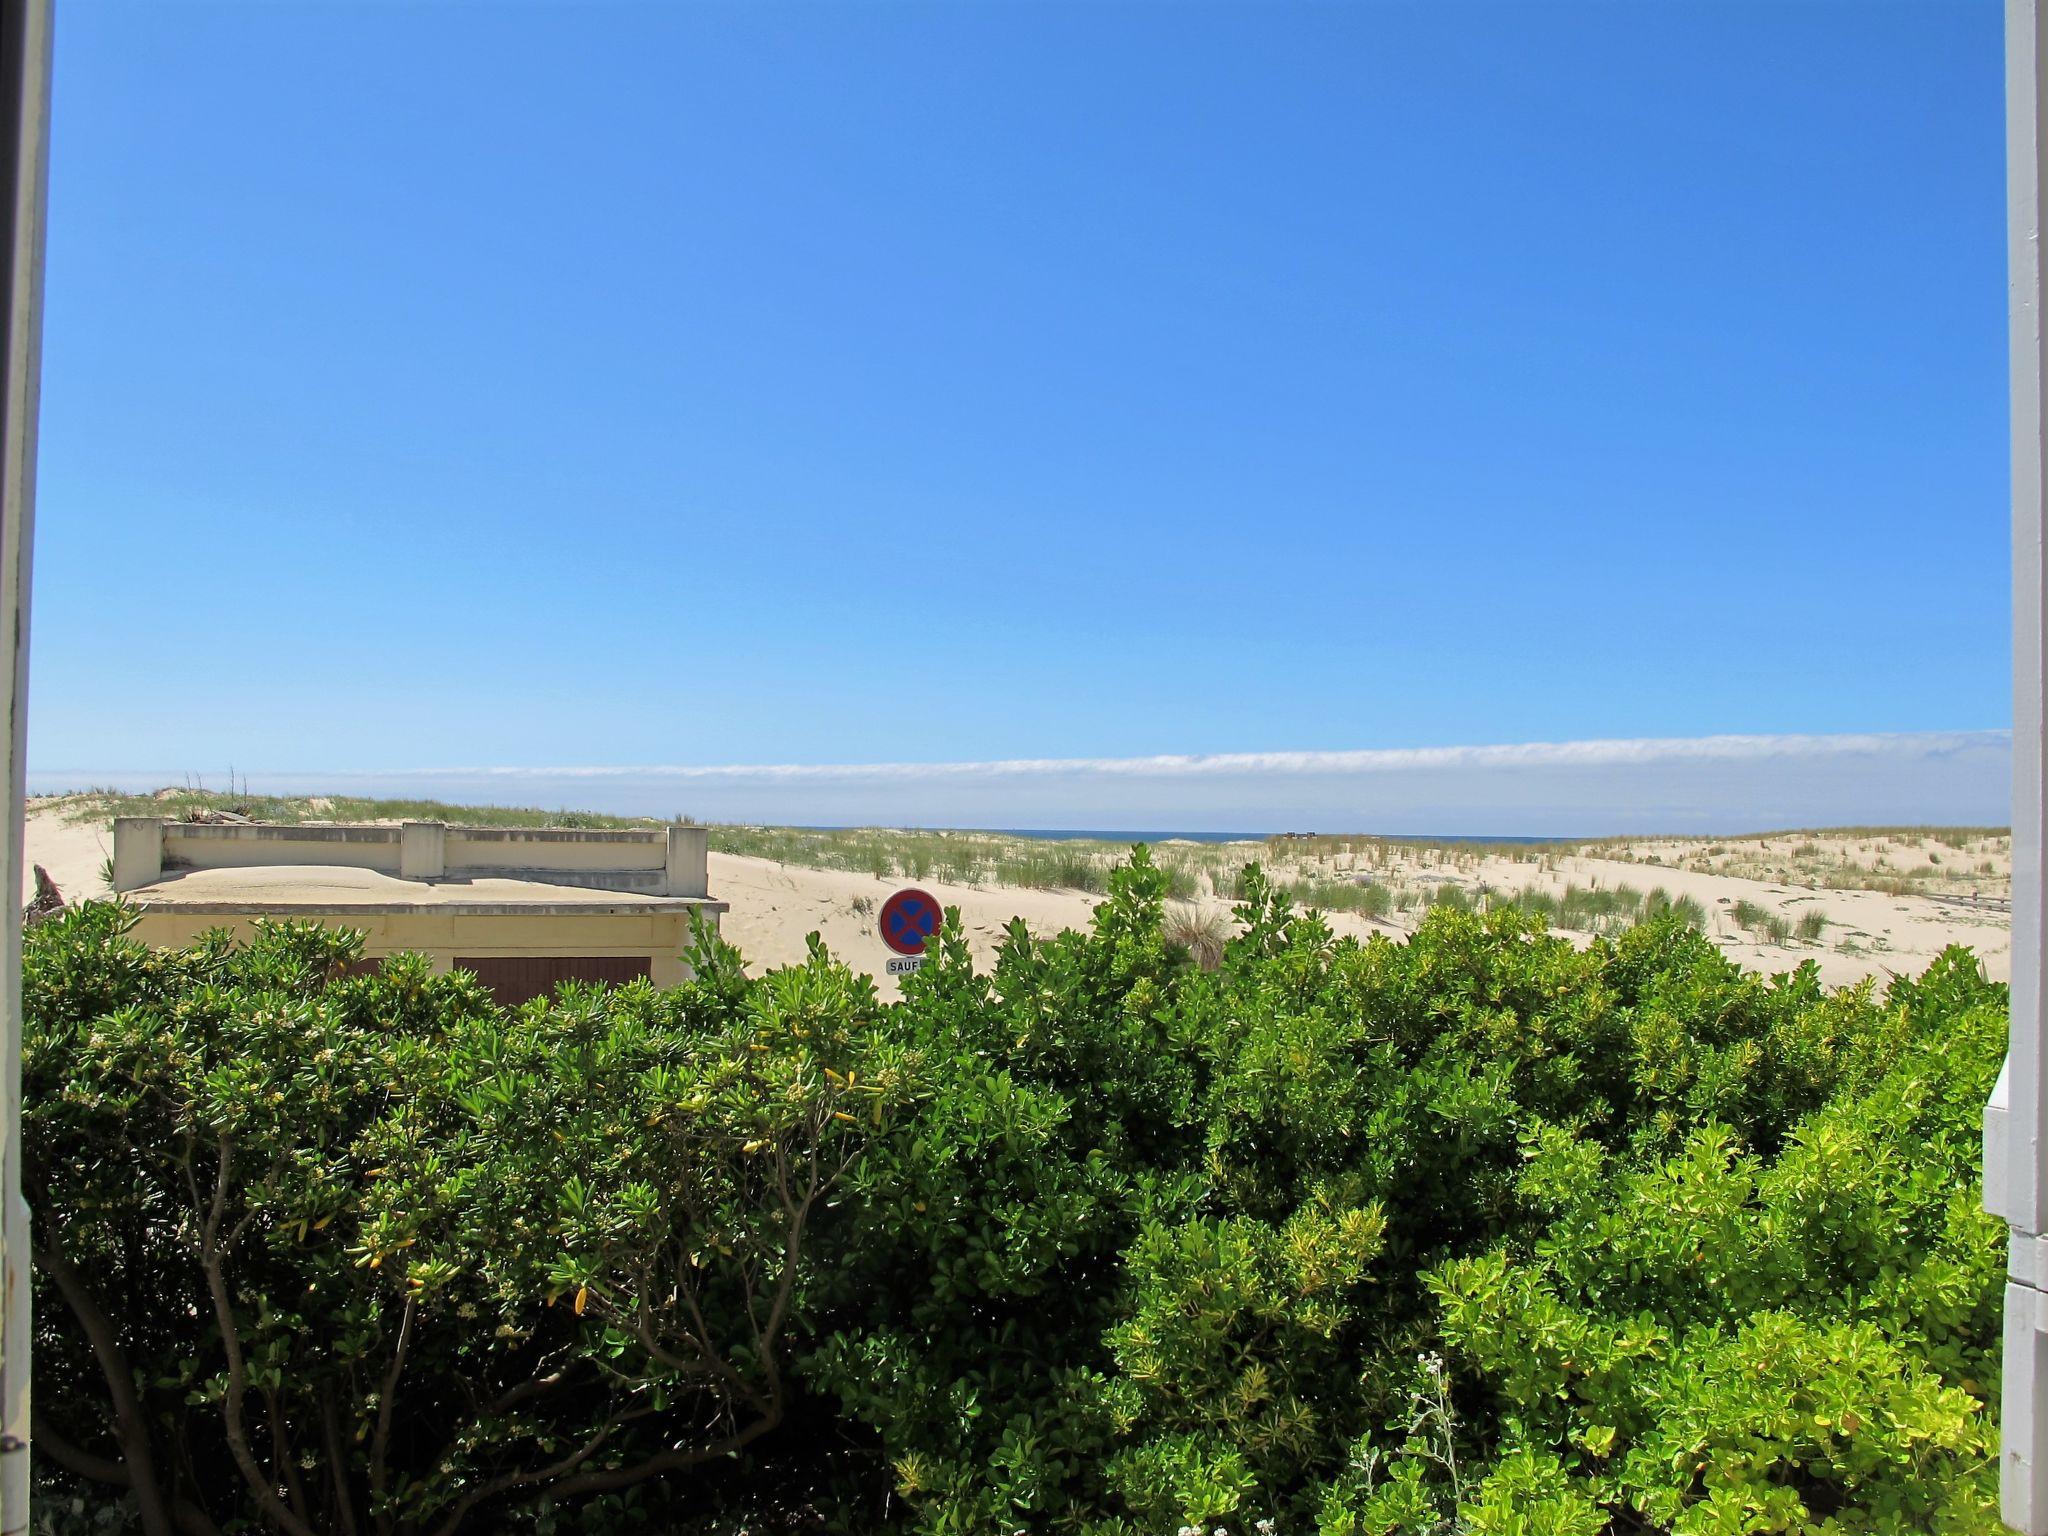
[456, 387]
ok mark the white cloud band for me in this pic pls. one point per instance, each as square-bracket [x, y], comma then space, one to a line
[1728, 783]
[1522, 755]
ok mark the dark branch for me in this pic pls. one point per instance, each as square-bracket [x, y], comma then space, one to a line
[131, 1425]
[666, 1461]
[380, 1441]
[233, 1421]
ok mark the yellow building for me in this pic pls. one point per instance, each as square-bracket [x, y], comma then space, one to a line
[521, 907]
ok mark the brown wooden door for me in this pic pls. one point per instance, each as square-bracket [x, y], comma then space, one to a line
[515, 978]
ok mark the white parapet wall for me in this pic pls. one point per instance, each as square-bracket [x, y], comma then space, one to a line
[655, 861]
[626, 859]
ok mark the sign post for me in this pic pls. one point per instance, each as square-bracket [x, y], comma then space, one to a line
[908, 919]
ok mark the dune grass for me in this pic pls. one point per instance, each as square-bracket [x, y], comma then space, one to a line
[1364, 896]
[1896, 861]
[954, 858]
[1201, 931]
[1763, 924]
[291, 810]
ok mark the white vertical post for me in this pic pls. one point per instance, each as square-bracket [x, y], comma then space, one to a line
[2016, 1190]
[422, 850]
[688, 861]
[24, 163]
[138, 851]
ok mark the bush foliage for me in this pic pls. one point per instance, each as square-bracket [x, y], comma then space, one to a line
[1474, 1232]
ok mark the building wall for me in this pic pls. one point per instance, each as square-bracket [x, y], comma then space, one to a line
[441, 936]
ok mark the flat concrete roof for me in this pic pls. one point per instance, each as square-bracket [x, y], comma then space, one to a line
[299, 889]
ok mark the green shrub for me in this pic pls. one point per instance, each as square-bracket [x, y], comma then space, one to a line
[1474, 1232]
[1722, 1340]
[370, 1249]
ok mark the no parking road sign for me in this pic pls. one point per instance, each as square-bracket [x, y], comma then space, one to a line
[907, 919]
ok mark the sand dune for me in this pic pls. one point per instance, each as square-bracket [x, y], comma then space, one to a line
[775, 905]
